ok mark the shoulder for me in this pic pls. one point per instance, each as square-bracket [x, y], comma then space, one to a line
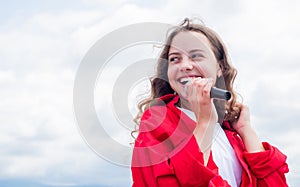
[160, 120]
[161, 111]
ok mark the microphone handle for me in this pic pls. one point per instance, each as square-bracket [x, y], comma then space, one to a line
[219, 93]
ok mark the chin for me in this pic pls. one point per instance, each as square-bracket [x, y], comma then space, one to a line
[182, 95]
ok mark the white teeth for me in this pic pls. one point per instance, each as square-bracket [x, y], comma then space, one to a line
[186, 80]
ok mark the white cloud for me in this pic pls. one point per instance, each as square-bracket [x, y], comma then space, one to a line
[40, 55]
[39, 136]
[7, 76]
[104, 3]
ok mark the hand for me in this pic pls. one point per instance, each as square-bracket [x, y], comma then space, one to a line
[247, 133]
[198, 96]
[243, 121]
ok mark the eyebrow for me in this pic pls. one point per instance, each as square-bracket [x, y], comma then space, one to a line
[191, 51]
[196, 50]
[174, 53]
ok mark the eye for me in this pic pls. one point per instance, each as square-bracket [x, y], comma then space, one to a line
[174, 59]
[196, 56]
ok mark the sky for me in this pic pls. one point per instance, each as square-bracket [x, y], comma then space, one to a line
[45, 43]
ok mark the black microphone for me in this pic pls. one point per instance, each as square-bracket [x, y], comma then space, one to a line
[219, 93]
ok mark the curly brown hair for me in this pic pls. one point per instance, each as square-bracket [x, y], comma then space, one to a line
[160, 86]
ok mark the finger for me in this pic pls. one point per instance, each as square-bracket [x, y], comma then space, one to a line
[207, 88]
[189, 90]
[203, 86]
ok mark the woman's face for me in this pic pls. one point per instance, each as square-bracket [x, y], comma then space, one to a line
[190, 56]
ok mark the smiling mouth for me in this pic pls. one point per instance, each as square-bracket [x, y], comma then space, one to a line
[187, 80]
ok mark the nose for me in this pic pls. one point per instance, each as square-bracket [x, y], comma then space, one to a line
[187, 64]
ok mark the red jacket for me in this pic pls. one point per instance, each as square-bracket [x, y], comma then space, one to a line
[166, 154]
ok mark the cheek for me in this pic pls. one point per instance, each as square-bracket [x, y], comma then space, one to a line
[171, 76]
[171, 73]
[212, 71]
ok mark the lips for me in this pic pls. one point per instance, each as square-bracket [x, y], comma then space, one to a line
[187, 80]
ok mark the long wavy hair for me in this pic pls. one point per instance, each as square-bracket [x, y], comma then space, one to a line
[227, 110]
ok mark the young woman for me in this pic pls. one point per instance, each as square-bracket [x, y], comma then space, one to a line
[186, 138]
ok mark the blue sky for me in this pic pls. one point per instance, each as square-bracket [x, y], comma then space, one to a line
[44, 42]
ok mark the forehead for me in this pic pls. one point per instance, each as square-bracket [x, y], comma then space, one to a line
[190, 40]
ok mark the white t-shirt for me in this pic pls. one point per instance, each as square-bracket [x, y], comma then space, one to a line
[223, 154]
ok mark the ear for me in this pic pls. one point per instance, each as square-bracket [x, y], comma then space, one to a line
[219, 73]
